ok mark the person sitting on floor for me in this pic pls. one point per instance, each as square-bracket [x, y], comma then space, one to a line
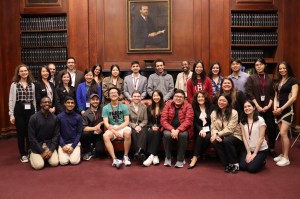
[43, 132]
[70, 124]
[253, 129]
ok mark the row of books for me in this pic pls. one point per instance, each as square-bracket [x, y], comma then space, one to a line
[44, 39]
[254, 37]
[247, 55]
[36, 69]
[43, 54]
[254, 19]
[43, 23]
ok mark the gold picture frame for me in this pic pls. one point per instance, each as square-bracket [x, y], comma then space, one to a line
[149, 26]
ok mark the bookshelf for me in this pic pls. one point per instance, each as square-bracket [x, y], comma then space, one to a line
[254, 34]
[44, 40]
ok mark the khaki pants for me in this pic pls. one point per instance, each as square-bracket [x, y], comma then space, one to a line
[65, 158]
[37, 162]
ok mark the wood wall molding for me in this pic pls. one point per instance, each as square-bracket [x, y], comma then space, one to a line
[43, 6]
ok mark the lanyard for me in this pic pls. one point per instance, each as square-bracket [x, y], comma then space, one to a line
[250, 129]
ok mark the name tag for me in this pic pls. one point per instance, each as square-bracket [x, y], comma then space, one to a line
[27, 106]
[262, 98]
[206, 128]
[87, 105]
[277, 104]
[95, 132]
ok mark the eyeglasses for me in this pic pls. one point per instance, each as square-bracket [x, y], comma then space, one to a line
[113, 92]
[179, 96]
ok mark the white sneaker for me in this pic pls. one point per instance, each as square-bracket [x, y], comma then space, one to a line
[117, 163]
[24, 159]
[126, 161]
[278, 158]
[156, 160]
[283, 162]
[149, 161]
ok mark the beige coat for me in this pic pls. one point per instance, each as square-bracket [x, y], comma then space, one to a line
[138, 118]
[230, 127]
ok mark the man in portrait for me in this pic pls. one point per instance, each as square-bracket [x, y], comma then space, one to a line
[145, 33]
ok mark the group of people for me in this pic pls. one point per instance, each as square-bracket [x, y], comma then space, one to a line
[63, 118]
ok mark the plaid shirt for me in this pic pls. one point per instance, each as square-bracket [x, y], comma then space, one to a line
[24, 95]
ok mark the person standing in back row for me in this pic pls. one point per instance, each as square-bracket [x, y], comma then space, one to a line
[238, 77]
[22, 105]
[77, 76]
[161, 81]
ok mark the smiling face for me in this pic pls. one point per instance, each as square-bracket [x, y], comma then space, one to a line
[71, 64]
[282, 70]
[94, 101]
[160, 67]
[198, 69]
[178, 99]
[115, 72]
[222, 103]
[185, 66]
[97, 70]
[44, 73]
[136, 98]
[89, 77]
[248, 108]
[70, 105]
[235, 66]
[113, 95]
[226, 85]
[215, 69]
[200, 99]
[156, 98]
[52, 69]
[135, 68]
[66, 79]
[46, 104]
[23, 72]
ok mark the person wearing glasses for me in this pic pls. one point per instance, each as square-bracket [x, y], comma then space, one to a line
[177, 120]
[116, 119]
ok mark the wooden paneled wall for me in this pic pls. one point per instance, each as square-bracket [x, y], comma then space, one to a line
[97, 34]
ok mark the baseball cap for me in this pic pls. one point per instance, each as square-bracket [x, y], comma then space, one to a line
[93, 95]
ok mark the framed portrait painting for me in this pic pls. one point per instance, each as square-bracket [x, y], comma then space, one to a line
[149, 26]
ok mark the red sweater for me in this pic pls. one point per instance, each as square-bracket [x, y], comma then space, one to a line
[185, 116]
[192, 89]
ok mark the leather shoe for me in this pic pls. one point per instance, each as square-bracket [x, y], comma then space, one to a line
[191, 166]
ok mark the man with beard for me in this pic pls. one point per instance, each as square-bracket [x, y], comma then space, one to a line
[92, 129]
[43, 132]
[161, 81]
[183, 76]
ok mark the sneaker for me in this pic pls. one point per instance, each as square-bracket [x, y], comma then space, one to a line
[228, 168]
[126, 161]
[156, 160]
[235, 168]
[167, 162]
[278, 158]
[149, 161]
[87, 156]
[117, 163]
[283, 162]
[180, 164]
[24, 159]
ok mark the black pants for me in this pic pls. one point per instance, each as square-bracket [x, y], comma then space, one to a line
[22, 117]
[227, 149]
[88, 139]
[139, 139]
[271, 127]
[256, 164]
[153, 141]
[182, 144]
[201, 144]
